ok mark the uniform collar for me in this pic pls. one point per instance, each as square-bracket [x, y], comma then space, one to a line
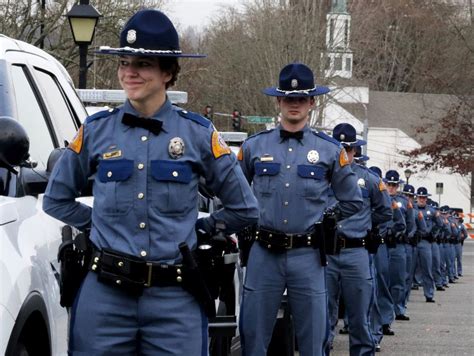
[162, 113]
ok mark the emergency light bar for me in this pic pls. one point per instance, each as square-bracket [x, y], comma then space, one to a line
[118, 96]
[234, 137]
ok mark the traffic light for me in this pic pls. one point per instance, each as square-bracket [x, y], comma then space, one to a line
[236, 120]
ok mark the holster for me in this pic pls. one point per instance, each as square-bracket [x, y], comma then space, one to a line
[246, 239]
[74, 256]
[329, 233]
[373, 240]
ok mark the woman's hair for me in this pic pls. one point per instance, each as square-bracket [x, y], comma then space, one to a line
[171, 66]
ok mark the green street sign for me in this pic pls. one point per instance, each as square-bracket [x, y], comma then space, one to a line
[259, 119]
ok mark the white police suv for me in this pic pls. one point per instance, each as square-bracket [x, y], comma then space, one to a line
[37, 92]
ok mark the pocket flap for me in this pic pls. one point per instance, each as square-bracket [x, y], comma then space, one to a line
[115, 170]
[267, 168]
[311, 171]
[171, 171]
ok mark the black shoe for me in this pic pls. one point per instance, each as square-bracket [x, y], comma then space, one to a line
[378, 348]
[430, 300]
[452, 281]
[386, 330]
[415, 287]
[446, 286]
[402, 317]
[459, 275]
[344, 331]
[440, 288]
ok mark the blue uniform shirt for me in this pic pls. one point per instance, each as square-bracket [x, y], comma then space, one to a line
[291, 178]
[376, 208]
[146, 201]
[397, 225]
[421, 228]
[429, 214]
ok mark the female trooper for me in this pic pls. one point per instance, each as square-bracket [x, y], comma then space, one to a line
[291, 168]
[146, 158]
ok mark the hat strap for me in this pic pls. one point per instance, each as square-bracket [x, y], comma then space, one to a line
[302, 91]
[140, 50]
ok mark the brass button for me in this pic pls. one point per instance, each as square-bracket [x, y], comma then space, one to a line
[143, 253]
[264, 170]
[179, 279]
[140, 195]
[288, 166]
[109, 174]
[175, 174]
[285, 221]
[142, 225]
[285, 203]
[287, 185]
[141, 166]
[144, 138]
[118, 281]
[312, 173]
[120, 264]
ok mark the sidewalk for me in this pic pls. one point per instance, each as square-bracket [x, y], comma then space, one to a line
[443, 328]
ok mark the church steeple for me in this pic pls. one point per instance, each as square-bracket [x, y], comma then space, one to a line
[338, 61]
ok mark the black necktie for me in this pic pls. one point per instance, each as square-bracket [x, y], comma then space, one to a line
[152, 125]
[287, 134]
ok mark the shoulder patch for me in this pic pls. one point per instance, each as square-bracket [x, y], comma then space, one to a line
[326, 137]
[101, 115]
[382, 186]
[76, 144]
[240, 155]
[343, 159]
[218, 145]
[201, 120]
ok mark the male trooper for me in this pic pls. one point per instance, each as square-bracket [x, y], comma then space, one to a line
[425, 246]
[436, 248]
[398, 256]
[349, 271]
[291, 168]
[459, 246]
[418, 230]
[382, 313]
[449, 229]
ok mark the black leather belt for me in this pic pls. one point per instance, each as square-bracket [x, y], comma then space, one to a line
[123, 270]
[344, 242]
[427, 238]
[275, 240]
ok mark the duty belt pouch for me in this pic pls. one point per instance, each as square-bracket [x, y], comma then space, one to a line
[321, 243]
[246, 239]
[372, 241]
[118, 271]
[391, 241]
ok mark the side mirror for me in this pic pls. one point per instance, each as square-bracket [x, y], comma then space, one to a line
[14, 144]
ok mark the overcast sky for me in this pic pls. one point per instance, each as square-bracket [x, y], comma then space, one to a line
[196, 13]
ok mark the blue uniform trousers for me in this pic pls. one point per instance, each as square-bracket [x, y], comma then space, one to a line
[162, 321]
[452, 259]
[458, 248]
[384, 298]
[398, 271]
[425, 258]
[411, 261]
[445, 262]
[299, 271]
[435, 250]
[350, 274]
[375, 315]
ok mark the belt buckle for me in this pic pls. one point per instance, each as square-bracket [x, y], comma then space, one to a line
[343, 242]
[290, 238]
[149, 273]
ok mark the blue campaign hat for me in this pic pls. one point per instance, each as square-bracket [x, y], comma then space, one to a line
[422, 192]
[392, 176]
[296, 80]
[376, 170]
[148, 33]
[347, 135]
[444, 209]
[409, 189]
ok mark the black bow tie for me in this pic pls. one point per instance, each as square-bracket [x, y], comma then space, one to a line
[152, 125]
[287, 134]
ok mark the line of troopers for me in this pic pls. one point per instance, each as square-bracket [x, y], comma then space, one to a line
[427, 253]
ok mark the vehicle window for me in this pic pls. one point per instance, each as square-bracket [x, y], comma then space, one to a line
[32, 118]
[60, 110]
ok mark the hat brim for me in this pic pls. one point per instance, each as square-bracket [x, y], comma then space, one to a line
[423, 195]
[362, 158]
[273, 91]
[354, 144]
[127, 51]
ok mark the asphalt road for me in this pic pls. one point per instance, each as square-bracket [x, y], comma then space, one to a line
[443, 328]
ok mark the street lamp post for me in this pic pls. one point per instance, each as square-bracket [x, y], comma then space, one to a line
[83, 20]
[408, 173]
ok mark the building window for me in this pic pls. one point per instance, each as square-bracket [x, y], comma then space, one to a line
[348, 64]
[331, 32]
[346, 33]
[327, 64]
[338, 63]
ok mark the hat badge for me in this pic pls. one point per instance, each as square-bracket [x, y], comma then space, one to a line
[131, 36]
[342, 136]
[294, 83]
